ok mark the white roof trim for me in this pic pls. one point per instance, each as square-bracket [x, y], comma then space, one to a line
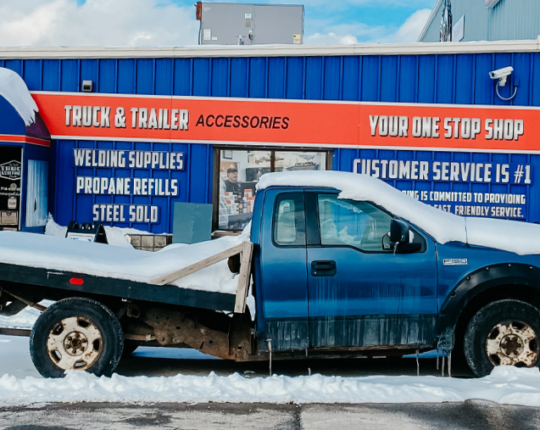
[430, 20]
[272, 50]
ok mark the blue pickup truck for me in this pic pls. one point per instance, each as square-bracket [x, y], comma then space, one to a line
[343, 265]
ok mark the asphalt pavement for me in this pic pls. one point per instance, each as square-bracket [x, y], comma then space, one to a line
[475, 415]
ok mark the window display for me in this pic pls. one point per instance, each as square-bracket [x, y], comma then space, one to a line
[10, 187]
[239, 172]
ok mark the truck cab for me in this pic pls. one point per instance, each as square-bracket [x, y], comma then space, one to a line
[345, 272]
[327, 275]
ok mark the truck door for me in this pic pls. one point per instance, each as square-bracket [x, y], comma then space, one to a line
[283, 280]
[359, 293]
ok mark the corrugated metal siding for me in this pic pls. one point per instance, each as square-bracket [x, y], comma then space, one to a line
[514, 19]
[459, 78]
[509, 20]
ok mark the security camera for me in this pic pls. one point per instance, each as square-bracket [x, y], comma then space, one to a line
[501, 75]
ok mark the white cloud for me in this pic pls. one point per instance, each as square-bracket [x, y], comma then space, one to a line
[411, 28]
[96, 23]
[347, 34]
[330, 39]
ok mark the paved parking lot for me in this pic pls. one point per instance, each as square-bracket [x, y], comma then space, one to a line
[467, 415]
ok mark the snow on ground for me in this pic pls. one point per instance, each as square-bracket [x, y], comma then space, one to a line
[20, 384]
[15, 91]
[513, 236]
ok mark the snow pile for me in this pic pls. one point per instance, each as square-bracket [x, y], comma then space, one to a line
[24, 319]
[15, 91]
[513, 236]
[116, 236]
[505, 385]
[59, 254]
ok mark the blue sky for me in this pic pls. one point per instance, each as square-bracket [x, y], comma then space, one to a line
[157, 22]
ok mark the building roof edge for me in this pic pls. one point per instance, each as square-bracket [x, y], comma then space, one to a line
[429, 20]
[271, 50]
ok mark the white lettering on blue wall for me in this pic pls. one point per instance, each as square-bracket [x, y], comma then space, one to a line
[446, 171]
[125, 213]
[157, 160]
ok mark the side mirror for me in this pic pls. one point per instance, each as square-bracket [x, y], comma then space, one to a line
[399, 232]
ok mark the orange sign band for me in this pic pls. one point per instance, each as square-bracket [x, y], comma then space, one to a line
[288, 122]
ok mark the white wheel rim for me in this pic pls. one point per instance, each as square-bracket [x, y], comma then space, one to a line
[512, 343]
[74, 343]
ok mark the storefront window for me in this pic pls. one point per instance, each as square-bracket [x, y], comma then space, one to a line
[239, 172]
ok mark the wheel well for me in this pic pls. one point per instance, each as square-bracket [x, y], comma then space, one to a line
[518, 292]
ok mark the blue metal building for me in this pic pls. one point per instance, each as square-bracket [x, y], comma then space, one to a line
[443, 75]
[486, 20]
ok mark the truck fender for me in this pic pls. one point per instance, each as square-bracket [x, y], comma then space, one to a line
[475, 283]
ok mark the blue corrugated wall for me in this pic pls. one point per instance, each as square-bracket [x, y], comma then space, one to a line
[449, 79]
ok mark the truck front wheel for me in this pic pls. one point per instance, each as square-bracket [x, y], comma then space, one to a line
[503, 333]
[76, 334]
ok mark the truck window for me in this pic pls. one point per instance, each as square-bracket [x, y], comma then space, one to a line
[289, 220]
[348, 222]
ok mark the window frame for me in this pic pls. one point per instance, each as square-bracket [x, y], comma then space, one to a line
[313, 228]
[273, 149]
[275, 209]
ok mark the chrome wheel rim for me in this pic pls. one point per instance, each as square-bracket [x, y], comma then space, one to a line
[512, 343]
[74, 343]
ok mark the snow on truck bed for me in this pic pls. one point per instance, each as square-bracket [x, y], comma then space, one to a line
[56, 253]
[513, 236]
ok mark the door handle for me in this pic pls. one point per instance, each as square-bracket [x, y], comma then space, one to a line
[323, 268]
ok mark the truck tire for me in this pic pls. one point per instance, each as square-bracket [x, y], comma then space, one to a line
[505, 332]
[76, 334]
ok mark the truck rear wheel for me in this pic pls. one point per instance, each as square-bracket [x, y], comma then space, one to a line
[76, 334]
[505, 332]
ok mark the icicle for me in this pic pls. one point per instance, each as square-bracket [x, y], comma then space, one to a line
[270, 350]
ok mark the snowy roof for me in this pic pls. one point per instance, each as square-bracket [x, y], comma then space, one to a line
[15, 91]
[513, 236]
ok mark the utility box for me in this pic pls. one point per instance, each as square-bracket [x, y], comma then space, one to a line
[249, 24]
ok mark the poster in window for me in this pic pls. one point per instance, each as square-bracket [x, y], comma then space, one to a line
[240, 171]
[10, 187]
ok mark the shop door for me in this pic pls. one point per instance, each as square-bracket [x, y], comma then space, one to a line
[37, 193]
[283, 271]
[359, 293]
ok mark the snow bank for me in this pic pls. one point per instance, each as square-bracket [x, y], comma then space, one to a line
[513, 236]
[505, 385]
[59, 254]
[15, 91]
